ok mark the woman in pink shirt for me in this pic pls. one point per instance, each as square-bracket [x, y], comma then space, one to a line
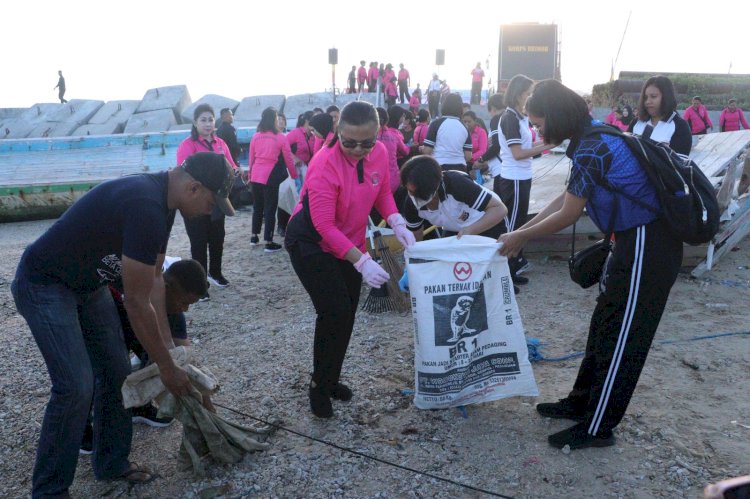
[414, 102]
[391, 137]
[420, 132]
[732, 117]
[326, 241]
[390, 92]
[301, 142]
[270, 158]
[206, 233]
[478, 137]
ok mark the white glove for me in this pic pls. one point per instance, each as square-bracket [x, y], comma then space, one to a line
[403, 234]
[372, 273]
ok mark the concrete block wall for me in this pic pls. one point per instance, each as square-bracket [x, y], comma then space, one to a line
[298, 104]
[217, 102]
[152, 121]
[249, 110]
[175, 97]
[118, 111]
[15, 128]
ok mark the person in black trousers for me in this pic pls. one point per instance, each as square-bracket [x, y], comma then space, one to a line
[638, 275]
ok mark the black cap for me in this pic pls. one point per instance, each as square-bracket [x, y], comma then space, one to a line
[214, 172]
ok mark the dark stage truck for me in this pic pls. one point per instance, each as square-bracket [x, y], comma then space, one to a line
[530, 49]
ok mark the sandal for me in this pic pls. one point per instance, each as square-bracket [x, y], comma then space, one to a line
[137, 475]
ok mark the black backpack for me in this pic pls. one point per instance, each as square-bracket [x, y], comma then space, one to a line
[688, 201]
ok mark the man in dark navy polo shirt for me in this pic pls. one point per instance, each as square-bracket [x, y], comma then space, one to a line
[119, 230]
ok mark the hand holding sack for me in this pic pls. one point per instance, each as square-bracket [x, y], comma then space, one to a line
[404, 235]
[372, 273]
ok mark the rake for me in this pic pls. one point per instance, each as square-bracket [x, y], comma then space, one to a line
[387, 298]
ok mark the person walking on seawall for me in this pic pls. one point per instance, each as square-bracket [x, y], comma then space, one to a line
[448, 140]
[638, 275]
[403, 84]
[326, 241]
[433, 96]
[60, 88]
[361, 77]
[658, 118]
[352, 81]
[269, 156]
[477, 74]
[517, 149]
[118, 230]
[697, 116]
[732, 117]
[206, 233]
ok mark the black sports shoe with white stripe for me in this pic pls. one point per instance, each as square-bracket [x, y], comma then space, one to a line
[219, 280]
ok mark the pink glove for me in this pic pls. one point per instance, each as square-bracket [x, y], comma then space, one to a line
[404, 235]
[372, 273]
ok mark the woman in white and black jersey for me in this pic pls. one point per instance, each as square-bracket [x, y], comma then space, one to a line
[448, 140]
[449, 199]
[658, 118]
[516, 151]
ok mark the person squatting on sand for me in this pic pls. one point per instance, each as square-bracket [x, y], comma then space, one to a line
[325, 239]
[118, 230]
[638, 275]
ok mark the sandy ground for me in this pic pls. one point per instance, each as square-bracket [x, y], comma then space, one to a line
[688, 423]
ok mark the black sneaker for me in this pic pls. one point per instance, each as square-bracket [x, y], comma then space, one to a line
[519, 279]
[341, 392]
[254, 240]
[562, 409]
[320, 402]
[219, 280]
[205, 297]
[272, 247]
[576, 437]
[147, 415]
[87, 444]
[516, 290]
[523, 265]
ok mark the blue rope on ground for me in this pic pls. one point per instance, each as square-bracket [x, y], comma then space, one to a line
[728, 282]
[535, 354]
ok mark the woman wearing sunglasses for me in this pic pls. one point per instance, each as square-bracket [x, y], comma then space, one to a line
[325, 239]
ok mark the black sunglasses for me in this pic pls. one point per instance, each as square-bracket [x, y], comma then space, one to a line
[351, 144]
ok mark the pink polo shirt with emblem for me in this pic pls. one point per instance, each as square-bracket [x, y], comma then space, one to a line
[478, 143]
[361, 75]
[403, 75]
[265, 148]
[393, 141]
[305, 144]
[339, 203]
[188, 147]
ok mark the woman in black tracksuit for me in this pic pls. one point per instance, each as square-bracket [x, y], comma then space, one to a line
[637, 278]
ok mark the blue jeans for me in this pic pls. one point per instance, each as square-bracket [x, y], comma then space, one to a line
[80, 338]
